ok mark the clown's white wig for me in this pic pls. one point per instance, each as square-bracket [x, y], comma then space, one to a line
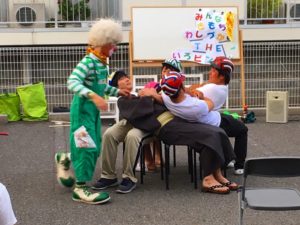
[105, 31]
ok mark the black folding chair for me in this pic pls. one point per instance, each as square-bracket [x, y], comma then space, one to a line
[191, 164]
[141, 156]
[269, 199]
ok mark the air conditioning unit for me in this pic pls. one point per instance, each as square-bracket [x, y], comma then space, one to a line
[293, 11]
[277, 107]
[27, 14]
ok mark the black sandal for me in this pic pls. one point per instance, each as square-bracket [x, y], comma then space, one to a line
[229, 185]
[213, 189]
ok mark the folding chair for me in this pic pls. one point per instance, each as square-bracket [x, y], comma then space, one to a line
[140, 156]
[191, 164]
[269, 199]
[112, 111]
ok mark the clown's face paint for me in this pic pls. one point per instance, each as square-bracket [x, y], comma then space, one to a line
[108, 49]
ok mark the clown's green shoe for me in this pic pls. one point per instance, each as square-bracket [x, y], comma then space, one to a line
[82, 194]
[64, 175]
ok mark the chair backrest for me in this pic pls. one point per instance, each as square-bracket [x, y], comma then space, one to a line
[273, 166]
[140, 80]
[113, 111]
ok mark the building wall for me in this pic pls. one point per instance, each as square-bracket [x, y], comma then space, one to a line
[40, 36]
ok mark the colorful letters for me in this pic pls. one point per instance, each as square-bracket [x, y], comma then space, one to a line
[212, 29]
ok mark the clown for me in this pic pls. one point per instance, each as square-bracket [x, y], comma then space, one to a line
[88, 82]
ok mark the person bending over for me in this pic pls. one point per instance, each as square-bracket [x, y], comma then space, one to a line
[193, 110]
[216, 89]
[88, 82]
[124, 131]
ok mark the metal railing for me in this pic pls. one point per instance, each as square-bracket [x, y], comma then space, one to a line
[58, 13]
[269, 66]
[272, 12]
[81, 13]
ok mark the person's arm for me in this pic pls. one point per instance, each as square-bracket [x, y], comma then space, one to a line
[209, 103]
[110, 90]
[151, 92]
[76, 80]
[99, 102]
[192, 90]
[124, 92]
[195, 93]
[199, 95]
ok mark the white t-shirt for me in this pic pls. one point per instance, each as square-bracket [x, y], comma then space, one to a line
[216, 93]
[7, 216]
[193, 110]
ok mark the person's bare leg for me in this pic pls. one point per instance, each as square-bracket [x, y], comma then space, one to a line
[148, 158]
[157, 150]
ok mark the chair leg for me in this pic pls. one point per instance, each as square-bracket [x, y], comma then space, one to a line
[241, 209]
[190, 163]
[161, 162]
[142, 162]
[195, 168]
[153, 152]
[141, 155]
[200, 168]
[174, 155]
[167, 164]
[189, 159]
[241, 216]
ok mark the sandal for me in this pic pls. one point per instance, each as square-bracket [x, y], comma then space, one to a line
[214, 189]
[231, 185]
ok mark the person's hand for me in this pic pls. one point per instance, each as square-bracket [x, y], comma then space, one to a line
[197, 94]
[194, 93]
[99, 102]
[147, 92]
[124, 92]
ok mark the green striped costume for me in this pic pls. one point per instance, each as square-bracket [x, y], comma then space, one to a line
[90, 75]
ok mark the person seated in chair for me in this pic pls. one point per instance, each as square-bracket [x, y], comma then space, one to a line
[153, 160]
[192, 109]
[124, 131]
[216, 89]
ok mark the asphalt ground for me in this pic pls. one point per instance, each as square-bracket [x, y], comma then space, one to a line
[27, 169]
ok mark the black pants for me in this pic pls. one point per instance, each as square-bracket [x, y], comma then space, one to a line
[238, 130]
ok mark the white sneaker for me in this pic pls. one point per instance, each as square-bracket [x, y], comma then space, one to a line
[82, 194]
[64, 175]
[138, 167]
[231, 164]
[239, 171]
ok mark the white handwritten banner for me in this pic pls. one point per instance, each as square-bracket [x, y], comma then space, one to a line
[212, 29]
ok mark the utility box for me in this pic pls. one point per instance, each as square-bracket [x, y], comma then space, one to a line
[277, 107]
